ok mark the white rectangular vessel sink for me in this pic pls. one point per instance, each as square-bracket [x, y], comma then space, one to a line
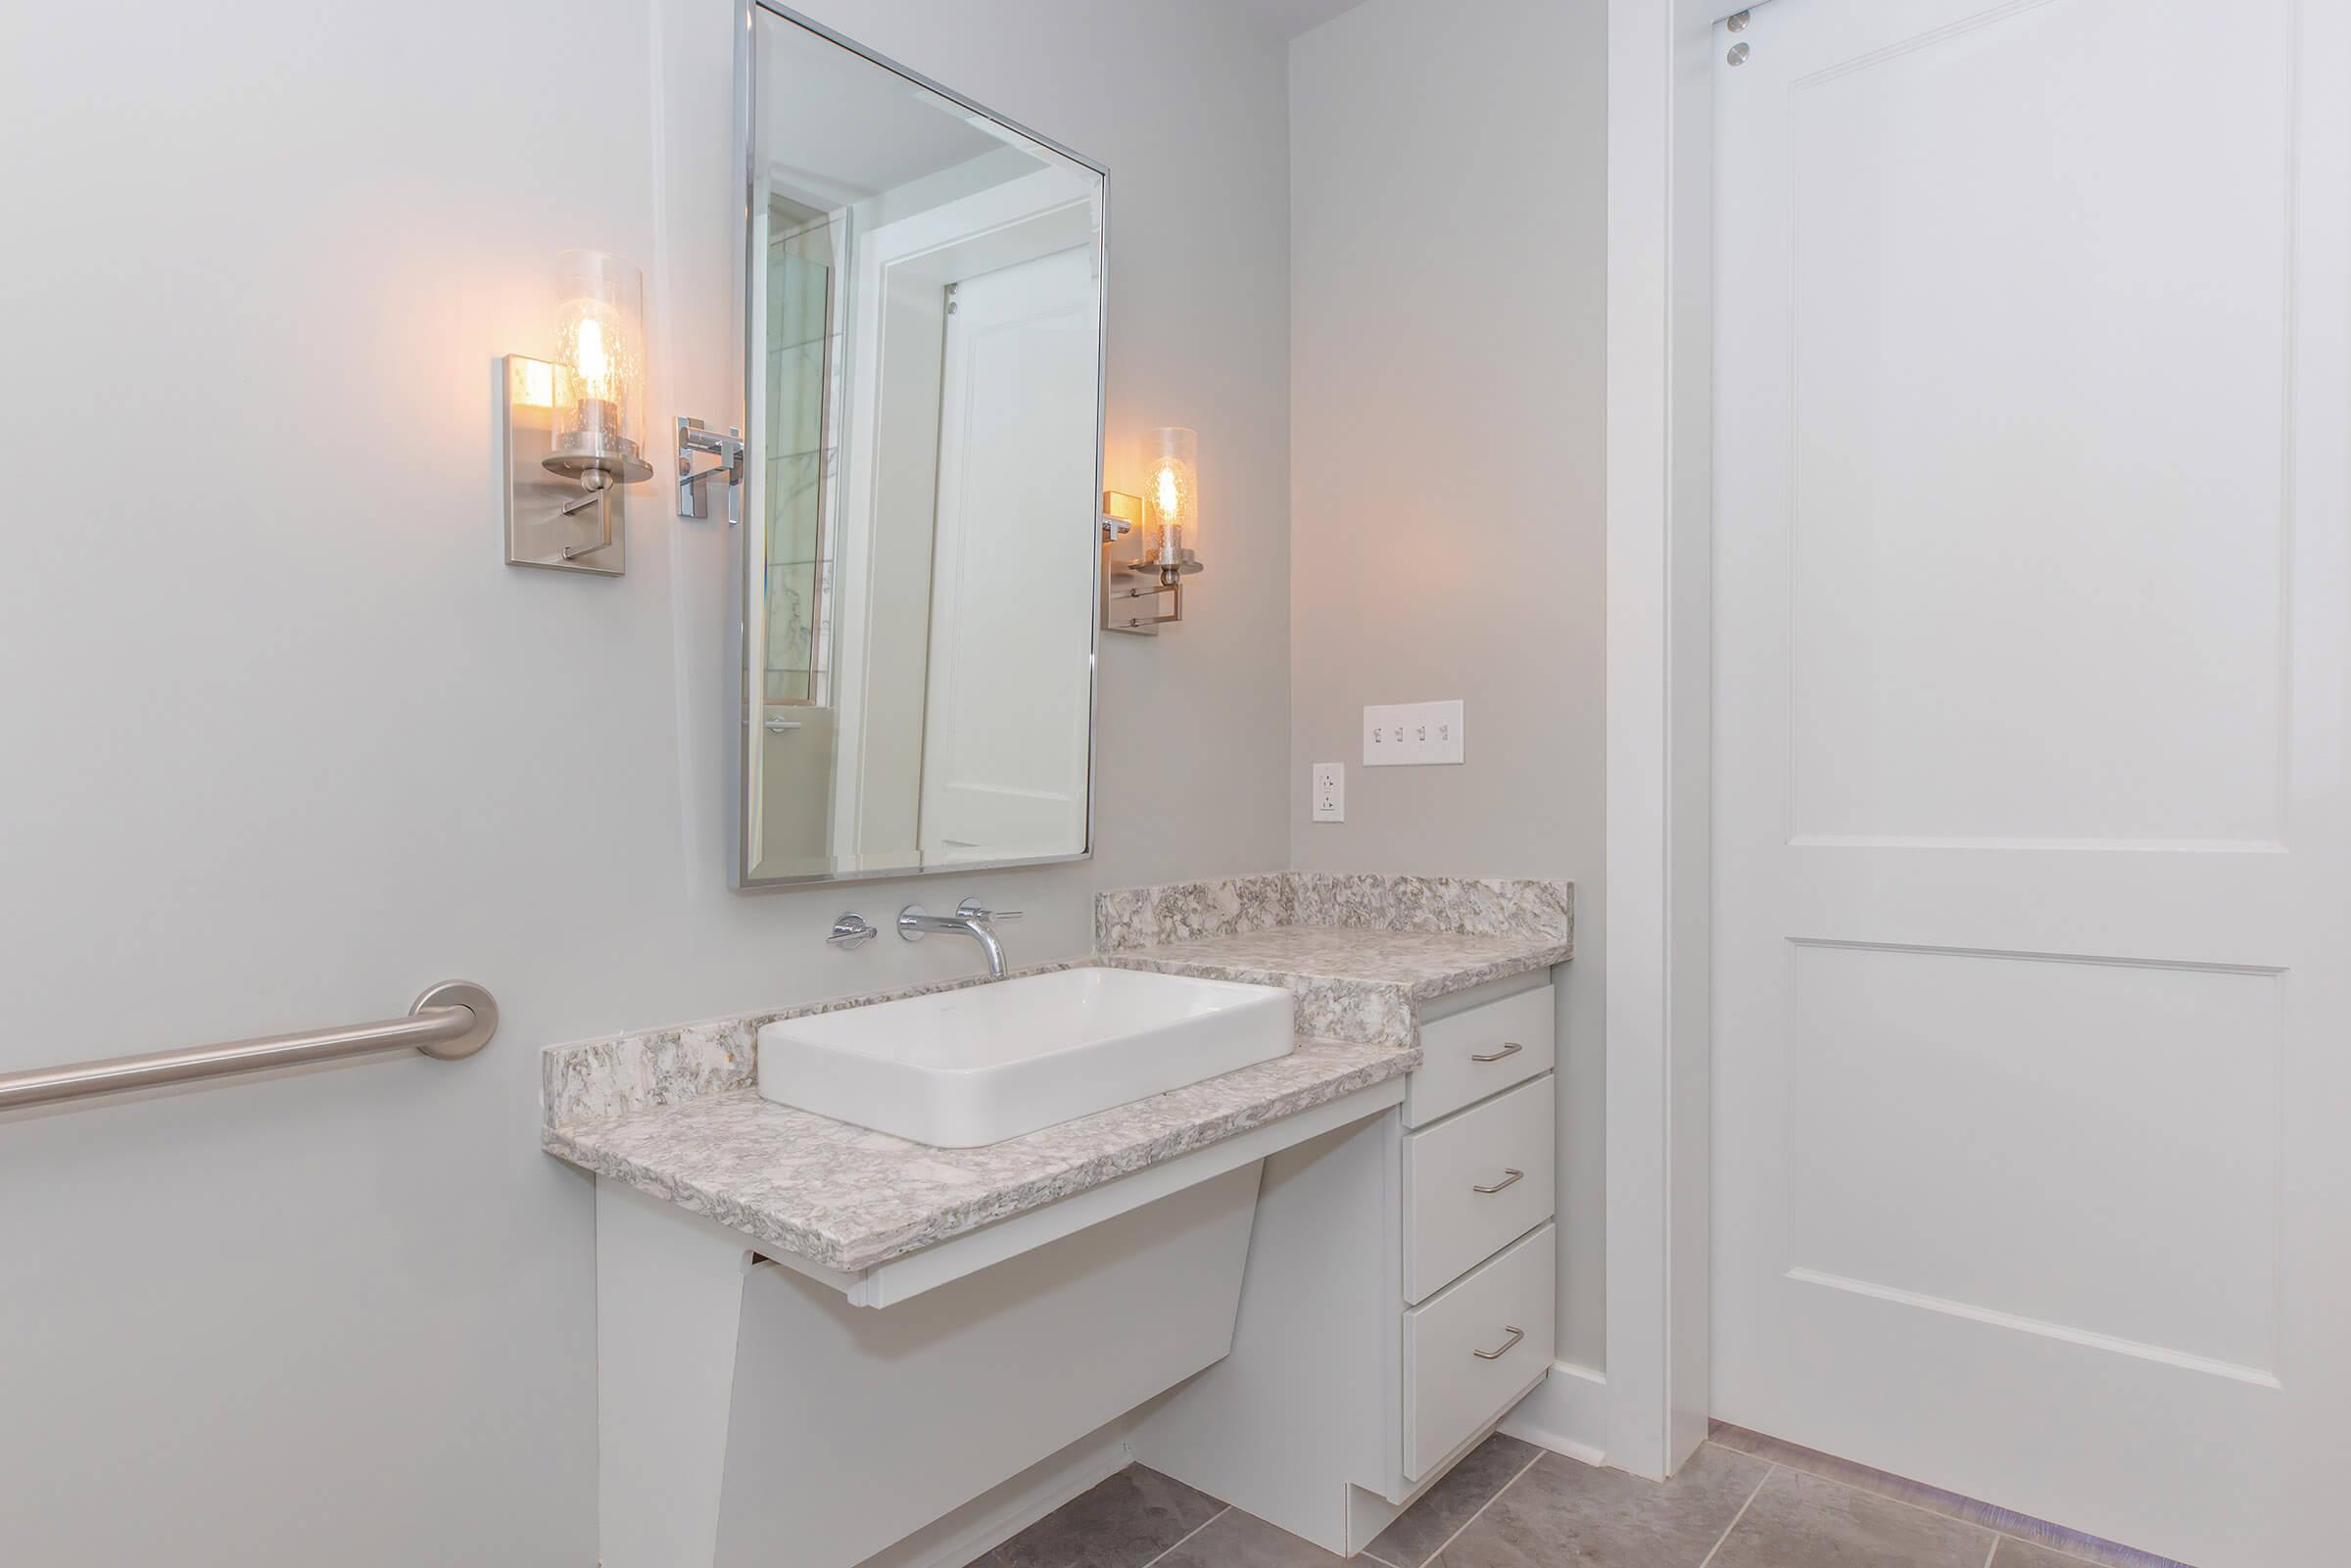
[976, 1065]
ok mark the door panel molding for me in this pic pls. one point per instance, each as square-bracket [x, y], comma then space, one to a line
[2088, 1339]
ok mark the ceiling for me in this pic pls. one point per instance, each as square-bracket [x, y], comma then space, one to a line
[1290, 17]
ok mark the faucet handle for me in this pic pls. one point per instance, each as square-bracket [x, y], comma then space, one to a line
[972, 909]
[850, 929]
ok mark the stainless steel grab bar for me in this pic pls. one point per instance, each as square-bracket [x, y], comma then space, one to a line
[453, 1020]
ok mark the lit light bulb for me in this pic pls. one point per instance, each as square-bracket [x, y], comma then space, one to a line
[1171, 493]
[594, 360]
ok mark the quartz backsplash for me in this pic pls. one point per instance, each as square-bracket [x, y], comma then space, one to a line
[1530, 908]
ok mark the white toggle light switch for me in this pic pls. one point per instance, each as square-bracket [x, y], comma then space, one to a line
[1408, 734]
[1330, 792]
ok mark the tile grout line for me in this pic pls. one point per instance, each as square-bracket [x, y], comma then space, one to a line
[1195, 1530]
[1382, 1561]
[1768, 1468]
[2066, 1551]
[1998, 1534]
[1483, 1506]
[1906, 1502]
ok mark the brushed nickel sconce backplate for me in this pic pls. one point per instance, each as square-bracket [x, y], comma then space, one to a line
[553, 521]
[1140, 594]
[1142, 578]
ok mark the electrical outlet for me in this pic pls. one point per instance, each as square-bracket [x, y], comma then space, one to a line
[1408, 735]
[1330, 792]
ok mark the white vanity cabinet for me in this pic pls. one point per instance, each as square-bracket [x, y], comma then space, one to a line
[1474, 1183]
[1401, 1291]
[1478, 1051]
[1478, 1182]
[1468, 1350]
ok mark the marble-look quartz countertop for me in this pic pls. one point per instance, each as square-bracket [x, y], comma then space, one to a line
[672, 1111]
[1423, 963]
[847, 1198]
[1361, 952]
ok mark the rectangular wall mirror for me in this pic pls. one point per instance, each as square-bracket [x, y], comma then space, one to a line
[921, 513]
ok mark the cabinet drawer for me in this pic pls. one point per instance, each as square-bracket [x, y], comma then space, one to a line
[1471, 1352]
[1502, 1145]
[1511, 1036]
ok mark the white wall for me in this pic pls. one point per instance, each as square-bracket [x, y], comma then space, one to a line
[287, 742]
[1446, 240]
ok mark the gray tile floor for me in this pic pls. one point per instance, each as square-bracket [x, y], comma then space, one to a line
[1512, 1505]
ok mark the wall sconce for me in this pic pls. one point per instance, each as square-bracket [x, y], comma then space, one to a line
[1149, 543]
[574, 425]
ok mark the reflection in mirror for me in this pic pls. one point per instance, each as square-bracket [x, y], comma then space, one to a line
[923, 387]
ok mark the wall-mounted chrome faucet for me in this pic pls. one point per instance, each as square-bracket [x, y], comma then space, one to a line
[971, 919]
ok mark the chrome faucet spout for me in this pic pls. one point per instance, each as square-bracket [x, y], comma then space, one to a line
[969, 919]
[991, 946]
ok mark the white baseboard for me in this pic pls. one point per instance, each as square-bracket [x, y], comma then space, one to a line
[998, 1515]
[1566, 1413]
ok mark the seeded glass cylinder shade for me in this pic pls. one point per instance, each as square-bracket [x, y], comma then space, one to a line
[1171, 491]
[598, 432]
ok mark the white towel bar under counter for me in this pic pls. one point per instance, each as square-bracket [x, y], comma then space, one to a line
[453, 1020]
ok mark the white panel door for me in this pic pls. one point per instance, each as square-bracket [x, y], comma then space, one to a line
[1005, 729]
[2032, 1111]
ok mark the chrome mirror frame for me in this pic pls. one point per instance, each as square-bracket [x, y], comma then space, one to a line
[1087, 538]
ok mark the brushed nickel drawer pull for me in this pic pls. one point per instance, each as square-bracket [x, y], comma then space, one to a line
[1509, 1178]
[1508, 1048]
[1504, 1348]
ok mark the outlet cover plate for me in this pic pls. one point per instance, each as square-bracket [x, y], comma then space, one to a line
[1406, 735]
[1330, 791]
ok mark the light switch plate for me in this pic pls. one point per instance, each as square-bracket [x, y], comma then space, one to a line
[1329, 785]
[1404, 735]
